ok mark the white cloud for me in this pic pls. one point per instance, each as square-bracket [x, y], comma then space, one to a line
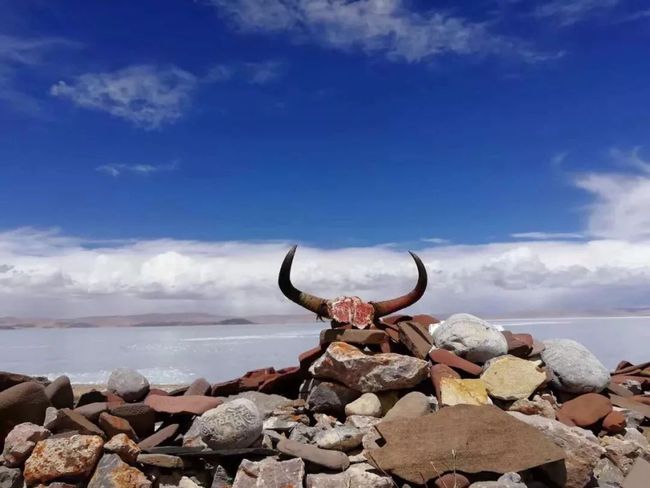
[145, 95]
[435, 240]
[570, 12]
[140, 169]
[387, 27]
[546, 236]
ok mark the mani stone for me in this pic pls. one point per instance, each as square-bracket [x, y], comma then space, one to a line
[574, 369]
[112, 472]
[367, 404]
[470, 337]
[128, 384]
[20, 442]
[63, 457]
[25, 402]
[511, 378]
[233, 425]
[369, 373]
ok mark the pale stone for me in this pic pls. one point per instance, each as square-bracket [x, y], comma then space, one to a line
[233, 425]
[270, 473]
[508, 480]
[455, 391]
[470, 337]
[536, 406]
[341, 438]
[573, 367]
[512, 378]
[367, 404]
[20, 442]
[369, 373]
[124, 447]
[128, 384]
[411, 405]
[10, 477]
[360, 475]
[581, 447]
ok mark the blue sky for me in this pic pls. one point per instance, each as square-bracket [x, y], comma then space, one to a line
[338, 124]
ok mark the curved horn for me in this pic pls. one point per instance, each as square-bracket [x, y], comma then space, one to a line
[310, 302]
[391, 306]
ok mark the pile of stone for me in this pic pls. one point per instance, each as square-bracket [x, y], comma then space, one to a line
[409, 401]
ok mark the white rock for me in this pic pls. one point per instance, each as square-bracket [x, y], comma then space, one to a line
[470, 337]
[367, 404]
[360, 475]
[573, 367]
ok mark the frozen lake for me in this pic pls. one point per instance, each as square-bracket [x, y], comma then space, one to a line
[173, 355]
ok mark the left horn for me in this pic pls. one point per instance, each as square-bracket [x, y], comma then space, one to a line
[310, 302]
[388, 307]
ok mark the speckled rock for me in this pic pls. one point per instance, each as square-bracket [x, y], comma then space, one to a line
[340, 438]
[369, 373]
[123, 446]
[367, 404]
[20, 442]
[511, 378]
[233, 425]
[470, 337]
[573, 367]
[463, 392]
[360, 475]
[63, 457]
[112, 472]
[128, 384]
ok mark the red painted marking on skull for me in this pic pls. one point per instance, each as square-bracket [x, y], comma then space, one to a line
[351, 310]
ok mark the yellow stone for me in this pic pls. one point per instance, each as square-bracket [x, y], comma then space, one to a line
[455, 391]
[512, 378]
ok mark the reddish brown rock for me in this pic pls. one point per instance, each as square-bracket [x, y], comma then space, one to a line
[225, 388]
[619, 390]
[7, 379]
[352, 336]
[69, 457]
[538, 348]
[159, 392]
[615, 422]
[644, 381]
[92, 396]
[199, 386]
[190, 404]
[92, 411]
[113, 426]
[254, 379]
[286, 382]
[394, 319]
[585, 410]
[308, 357]
[451, 480]
[645, 399]
[24, 402]
[161, 437]
[141, 417]
[20, 442]
[630, 404]
[519, 345]
[442, 356]
[60, 393]
[424, 320]
[439, 371]
[416, 338]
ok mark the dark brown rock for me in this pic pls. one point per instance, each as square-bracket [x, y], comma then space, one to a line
[254, 379]
[424, 320]
[394, 319]
[331, 398]
[615, 422]
[60, 393]
[225, 388]
[334, 460]
[70, 421]
[113, 426]
[585, 410]
[161, 437]
[92, 396]
[7, 380]
[416, 338]
[442, 356]
[519, 345]
[161, 460]
[307, 358]
[92, 411]
[199, 386]
[187, 404]
[286, 382]
[24, 402]
[141, 417]
[352, 336]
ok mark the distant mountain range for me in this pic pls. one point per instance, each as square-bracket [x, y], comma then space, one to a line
[146, 320]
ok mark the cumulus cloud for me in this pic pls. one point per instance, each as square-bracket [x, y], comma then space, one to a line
[116, 170]
[387, 27]
[147, 96]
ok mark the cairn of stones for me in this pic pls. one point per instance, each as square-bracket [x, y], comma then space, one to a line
[383, 401]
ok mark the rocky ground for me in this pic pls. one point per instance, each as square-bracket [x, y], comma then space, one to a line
[408, 402]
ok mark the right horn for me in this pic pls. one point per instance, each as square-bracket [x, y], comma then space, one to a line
[388, 307]
[310, 302]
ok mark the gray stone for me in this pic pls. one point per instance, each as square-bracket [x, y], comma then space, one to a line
[367, 404]
[508, 480]
[470, 337]
[334, 460]
[112, 472]
[362, 422]
[573, 367]
[161, 460]
[369, 373]
[342, 438]
[20, 442]
[233, 425]
[270, 473]
[128, 384]
[413, 404]
[581, 447]
[10, 477]
[608, 474]
[360, 475]
[304, 434]
[330, 398]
